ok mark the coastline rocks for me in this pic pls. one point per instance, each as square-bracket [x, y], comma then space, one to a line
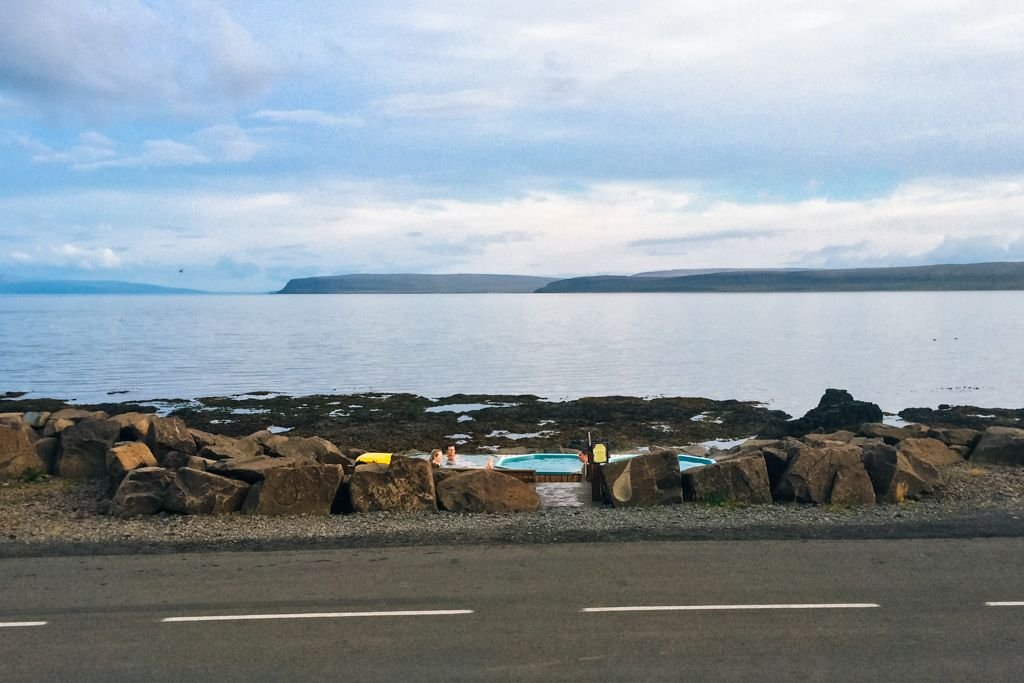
[18, 454]
[646, 480]
[837, 410]
[964, 438]
[169, 434]
[1000, 446]
[407, 485]
[931, 451]
[253, 470]
[125, 457]
[194, 492]
[141, 492]
[295, 489]
[812, 473]
[134, 426]
[897, 476]
[740, 480]
[84, 448]
[48, 449]
[892, 435]
[36, 419]
[486, 491]
[217, 447]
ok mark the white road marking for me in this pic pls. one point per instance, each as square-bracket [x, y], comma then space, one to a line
[1004, 604]
[702, 608]
[319, 615]
[17, 624]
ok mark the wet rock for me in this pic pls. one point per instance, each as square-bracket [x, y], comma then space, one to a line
[486, 491]
[18, 454]
[931, 451]
[407, 485]
[125, 457]
[83, 448]
[837, 410]
[811, 472]
[1000, 446]
[195, 492]
[646, 480]
[896, 476]
[739, 480]
[169, 434]
[141, 492]
[296, 489]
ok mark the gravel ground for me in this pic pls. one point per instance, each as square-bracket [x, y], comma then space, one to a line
[60, 517]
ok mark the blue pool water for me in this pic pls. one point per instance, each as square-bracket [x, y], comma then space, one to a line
[566, 463]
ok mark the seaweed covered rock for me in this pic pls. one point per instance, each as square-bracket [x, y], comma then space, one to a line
[837, 410]
[407, 485]
[643, 481]
[486, 491]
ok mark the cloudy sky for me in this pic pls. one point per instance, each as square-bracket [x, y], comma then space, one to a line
[233, 145]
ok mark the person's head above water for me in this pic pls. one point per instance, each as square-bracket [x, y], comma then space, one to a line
[435, 456]
[451, 454]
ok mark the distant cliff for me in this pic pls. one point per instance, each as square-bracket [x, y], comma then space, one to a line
[410, 283]
[974, 276]
[86, 287]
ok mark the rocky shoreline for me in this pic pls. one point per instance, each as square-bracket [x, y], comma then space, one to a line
[823, 483]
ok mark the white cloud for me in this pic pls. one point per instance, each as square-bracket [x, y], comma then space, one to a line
[85, 257]
[446, 104]
[309, 117]
[128, 56]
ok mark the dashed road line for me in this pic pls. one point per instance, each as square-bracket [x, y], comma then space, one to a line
[1004, 604]
[19, 624]
[703, 608]
[318, 615]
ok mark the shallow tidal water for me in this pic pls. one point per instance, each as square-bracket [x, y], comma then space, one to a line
[896, 349]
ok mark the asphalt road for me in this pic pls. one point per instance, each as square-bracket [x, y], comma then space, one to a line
[773, 610]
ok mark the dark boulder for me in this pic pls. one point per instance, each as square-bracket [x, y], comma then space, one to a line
[295, 489]
[134, 426]
[84, 446]
[253, 470]
[169, 434]
[1000, 446]
[739, 480]
[407, 485]
[194, 492]
[896, 476]
[48, 449]
[811, 472]
[952, 437]
[141, 492]
[890, 434]
[486, 491]
[837, 410]
[851, 486]
[643, 481]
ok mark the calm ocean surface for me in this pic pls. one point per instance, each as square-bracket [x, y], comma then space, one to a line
[897, 349]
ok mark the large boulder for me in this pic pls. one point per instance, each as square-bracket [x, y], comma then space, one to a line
[965, 438]
[18, 454]
[895, 475]
[301, 488]
[931, 451]
[739, 480]
[194, 492]
[78, 414]
[36, 419]
[48, 449]
[169, 434]
[312, 447]
[141, 492]
[643, 481]
[837, 410]
[126, 456]
[486, 491]
[812, 473]
[84, 446]
[1000, 446]
[407, 485]
[55, 427]
[852, 486]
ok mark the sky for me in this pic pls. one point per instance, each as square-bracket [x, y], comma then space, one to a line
[234, 145]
